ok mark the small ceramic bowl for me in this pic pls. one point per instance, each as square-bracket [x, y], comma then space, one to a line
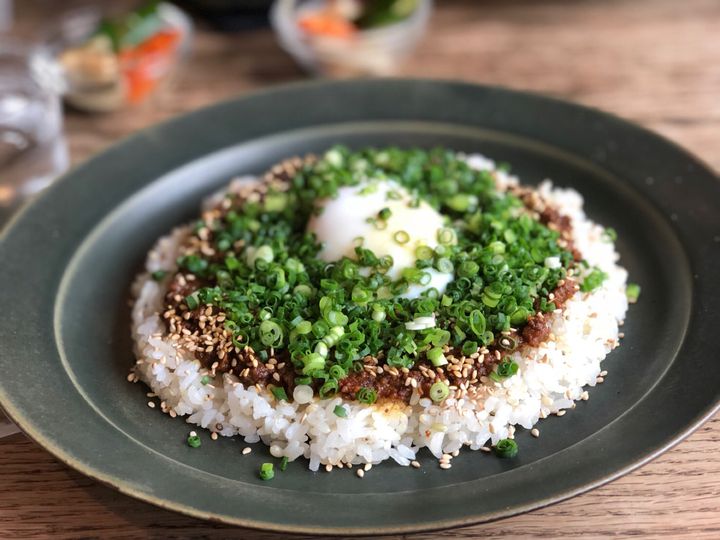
[106, 81]
[377, 51]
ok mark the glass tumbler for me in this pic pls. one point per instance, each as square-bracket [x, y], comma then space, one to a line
[32, 147]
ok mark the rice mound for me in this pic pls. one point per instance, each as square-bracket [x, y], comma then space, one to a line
[550, 377]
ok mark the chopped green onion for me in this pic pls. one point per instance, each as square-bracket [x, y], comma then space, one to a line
[593, 280]
[340, 411]
[191, 301]
[423, 253]
[284, 463]
[506, 368]
[303, 327]
[444, 265]
[271, 334]
[439, 391]
[436, 357]
[632, 291]
[279, 393]
[366, 395]
[194, 441]
[401, 237]
[385, 214]
[445, 236]
[157, 275]
[506, 448]
[205, 380]
[609, 234]
[468, 269]
[266, 471]
[462, 202]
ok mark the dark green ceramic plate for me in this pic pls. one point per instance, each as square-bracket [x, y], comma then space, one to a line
[68, 260]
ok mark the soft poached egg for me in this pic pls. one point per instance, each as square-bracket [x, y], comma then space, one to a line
[352, 218]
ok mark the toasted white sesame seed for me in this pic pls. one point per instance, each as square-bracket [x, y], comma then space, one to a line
[456, 453]
[561, 413]
[585, 396]
[214, 436]
[415, 464]
[600, 380]
[151, 404]
[535, 432]
[368, 466]
[246, 450]
[328, 467]
[360, 473]
[445, 466]
[130, 377]
[193, 434]
[603, 373]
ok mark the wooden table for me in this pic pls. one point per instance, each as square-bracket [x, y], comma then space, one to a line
[656, 62]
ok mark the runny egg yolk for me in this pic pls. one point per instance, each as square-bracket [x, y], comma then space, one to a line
[354, 217]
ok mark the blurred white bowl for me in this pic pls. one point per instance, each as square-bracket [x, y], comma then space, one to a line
[376, 51]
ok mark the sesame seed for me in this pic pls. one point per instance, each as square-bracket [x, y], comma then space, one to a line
[445, 466]
[368, 466]
[456, 453]
[535, 432]
[415, 464]
[214, 436]
[328, 467]
[561, 413]
[599, 380]
[130, 377]
[193, 434]
[585, 396]
[360, 473]
[485, 449]
[151, 404]
[246, 450]
[603, 373]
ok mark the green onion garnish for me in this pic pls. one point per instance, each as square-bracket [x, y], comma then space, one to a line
[609, 234]
[205, 380]
[439, 391]
[593, 280]
[436, 357]
[192, 301]
[194, 441]
[423, 252]
[266, 471]
[340, 411]
[279, 393]
[401, 237]
[267, 281]
[632, 291]
[506, 448]
[445, 236]
[366, 395]
[284, 463]
[157, 275]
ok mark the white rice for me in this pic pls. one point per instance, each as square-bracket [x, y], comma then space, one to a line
[550, 377]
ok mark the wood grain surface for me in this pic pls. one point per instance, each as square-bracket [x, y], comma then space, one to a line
[656, 62]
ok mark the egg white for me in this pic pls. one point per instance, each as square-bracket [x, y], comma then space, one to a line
[346, 221]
